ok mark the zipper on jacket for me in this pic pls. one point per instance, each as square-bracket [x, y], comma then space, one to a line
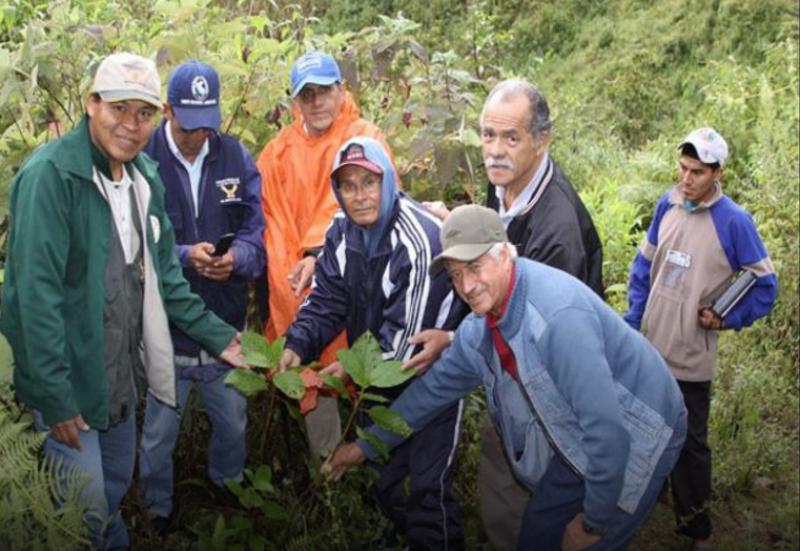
[201, 186]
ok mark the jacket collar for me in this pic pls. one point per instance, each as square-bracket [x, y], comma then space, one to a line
[77, 151]
[511, 320]
[214, 141]
[529, 196]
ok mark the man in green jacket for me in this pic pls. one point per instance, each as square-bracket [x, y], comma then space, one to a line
[91, 284]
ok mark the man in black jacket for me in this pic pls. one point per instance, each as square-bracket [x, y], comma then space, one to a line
[547, 222]
[543, 215]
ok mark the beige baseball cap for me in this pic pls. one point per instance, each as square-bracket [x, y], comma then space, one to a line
[125, 76]
[468, 233]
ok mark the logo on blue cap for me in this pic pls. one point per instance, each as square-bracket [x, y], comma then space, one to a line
[200, 88]
[314, 68]
[193, 95]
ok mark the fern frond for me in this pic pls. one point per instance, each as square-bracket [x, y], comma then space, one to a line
[40, 501]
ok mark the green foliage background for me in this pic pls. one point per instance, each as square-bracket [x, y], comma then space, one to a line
[626, 80]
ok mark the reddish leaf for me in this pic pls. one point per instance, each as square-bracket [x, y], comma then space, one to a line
[313, 383]
[311, 379]
[309, 401]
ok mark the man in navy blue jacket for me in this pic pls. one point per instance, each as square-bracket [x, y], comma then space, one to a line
[212, 188]
[372, 275]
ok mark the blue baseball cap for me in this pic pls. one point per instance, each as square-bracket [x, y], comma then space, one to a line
[314, 68]
[193, 95]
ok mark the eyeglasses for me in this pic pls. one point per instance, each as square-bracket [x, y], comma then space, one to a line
[351, 189]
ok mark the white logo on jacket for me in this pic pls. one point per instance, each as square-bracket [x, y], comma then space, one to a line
[155, 225]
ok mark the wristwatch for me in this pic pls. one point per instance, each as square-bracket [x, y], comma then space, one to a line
[593, 530]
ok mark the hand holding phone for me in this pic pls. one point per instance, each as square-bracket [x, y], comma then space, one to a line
[223, 244]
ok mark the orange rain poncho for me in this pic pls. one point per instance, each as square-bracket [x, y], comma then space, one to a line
[298, 205]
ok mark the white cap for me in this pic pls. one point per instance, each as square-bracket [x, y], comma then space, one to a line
[710, 146]
[126, 76]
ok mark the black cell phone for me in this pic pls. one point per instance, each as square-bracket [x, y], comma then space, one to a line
[223, 244]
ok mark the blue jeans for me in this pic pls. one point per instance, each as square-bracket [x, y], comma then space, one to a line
[227, 410]
[107, 458]
[559, 497]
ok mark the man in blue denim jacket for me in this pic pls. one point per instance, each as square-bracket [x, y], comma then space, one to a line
[591, 419]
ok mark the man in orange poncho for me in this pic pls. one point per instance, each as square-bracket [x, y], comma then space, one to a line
[298, 205]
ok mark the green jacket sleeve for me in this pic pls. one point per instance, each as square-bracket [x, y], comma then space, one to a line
[39, 250]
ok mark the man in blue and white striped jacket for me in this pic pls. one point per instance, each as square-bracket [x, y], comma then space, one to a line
[373, 275]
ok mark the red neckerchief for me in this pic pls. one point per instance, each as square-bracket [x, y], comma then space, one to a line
[507, 360]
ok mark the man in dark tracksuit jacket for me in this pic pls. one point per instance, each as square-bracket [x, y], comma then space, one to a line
[212, 188]
[372, 275]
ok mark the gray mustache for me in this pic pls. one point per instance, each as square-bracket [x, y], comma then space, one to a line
[498, 163]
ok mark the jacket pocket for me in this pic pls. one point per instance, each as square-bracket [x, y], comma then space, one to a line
[646, 429]
[532, 464]
[663, 324]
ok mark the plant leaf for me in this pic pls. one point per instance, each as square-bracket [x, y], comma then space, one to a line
[273, 511]
[372, 397]
[234, 487]
[311, 378]
[471, 138]
[247, 382]
[377, 444]
[290, 383]
[257, 542]
[389, 374]
[241, 523]
[254, 348]
[262, 480]
[220, 535]
[336, 383]
[309, 401]
[389, 419]
[274, 351]
[361, 359]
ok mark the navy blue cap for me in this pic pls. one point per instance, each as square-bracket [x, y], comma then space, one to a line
[314, 68]
[193, 95]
